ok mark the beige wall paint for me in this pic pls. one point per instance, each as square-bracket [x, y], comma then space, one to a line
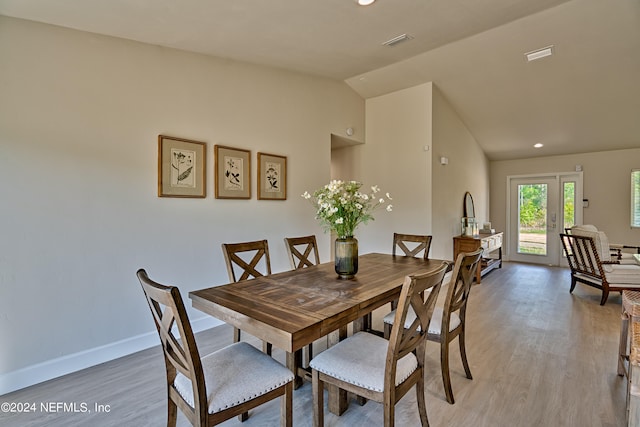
[607, 185]
[467, 170]
[398, 126]
[79, 120]
[406, 134]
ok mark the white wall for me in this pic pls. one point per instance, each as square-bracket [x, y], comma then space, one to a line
[406, 134]
[398, 126]
[467, 170]
[79, 120]
[607, 185]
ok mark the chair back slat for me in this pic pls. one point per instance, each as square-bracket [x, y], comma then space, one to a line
[412, 244]
[582, 255]
[236, 256]
[300, 250]
[459, 287]
[181, 352]
[403, 340]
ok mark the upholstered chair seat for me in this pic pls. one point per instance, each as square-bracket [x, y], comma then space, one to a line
[435, 326]
[361, 361]
[235, 375]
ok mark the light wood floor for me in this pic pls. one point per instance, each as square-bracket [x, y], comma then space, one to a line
[539, 357]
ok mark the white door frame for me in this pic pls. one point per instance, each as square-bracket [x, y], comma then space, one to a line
[561, 177]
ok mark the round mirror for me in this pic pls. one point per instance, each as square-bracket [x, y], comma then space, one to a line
[469, 209]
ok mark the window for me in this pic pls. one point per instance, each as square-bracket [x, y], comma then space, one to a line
[635, 198]
[569, 205]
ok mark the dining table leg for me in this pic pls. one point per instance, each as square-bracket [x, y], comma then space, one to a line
[294, 363]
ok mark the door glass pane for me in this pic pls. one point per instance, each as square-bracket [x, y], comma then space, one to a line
[532, 219]
[569, 205]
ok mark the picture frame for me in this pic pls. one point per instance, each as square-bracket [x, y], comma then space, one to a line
[232, 173]
[181, 167]
[272, 177]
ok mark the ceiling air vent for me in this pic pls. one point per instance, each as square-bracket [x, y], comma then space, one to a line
[398, 39]
[539, 53]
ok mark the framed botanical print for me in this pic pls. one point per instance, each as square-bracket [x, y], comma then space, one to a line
[181, 167]
[232, 173]
[272, 177]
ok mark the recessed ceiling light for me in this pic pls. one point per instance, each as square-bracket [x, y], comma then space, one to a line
[365, 2]
[538, 145]
[539, 53]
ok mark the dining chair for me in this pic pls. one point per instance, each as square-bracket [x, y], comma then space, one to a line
[244, 261]
[220, 385]
[300, 250]
[412, 244]
[448, 321]
[379, 369]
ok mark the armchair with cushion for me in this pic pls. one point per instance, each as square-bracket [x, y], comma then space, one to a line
[590, 261]
[611, 252]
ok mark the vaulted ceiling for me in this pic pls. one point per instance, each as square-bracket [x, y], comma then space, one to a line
[583, 98]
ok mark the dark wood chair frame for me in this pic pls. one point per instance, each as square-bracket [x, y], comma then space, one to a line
[299, 259]
[458, 291]
[181, 355]
[260, 250]
[456, 300]
[424, 241]
[586, 266]
[399, 241]
[402, 341]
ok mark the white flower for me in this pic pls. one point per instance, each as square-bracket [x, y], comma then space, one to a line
[341, 206]
[389, 208]
[389, 196]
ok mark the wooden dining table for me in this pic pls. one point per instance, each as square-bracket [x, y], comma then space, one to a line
[294, 308]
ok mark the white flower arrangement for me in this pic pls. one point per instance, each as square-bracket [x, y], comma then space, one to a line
[341, 206]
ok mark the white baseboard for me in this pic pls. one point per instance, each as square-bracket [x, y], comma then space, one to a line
[60, 366]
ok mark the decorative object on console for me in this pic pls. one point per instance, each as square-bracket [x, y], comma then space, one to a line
[469, 226]
[486, 229]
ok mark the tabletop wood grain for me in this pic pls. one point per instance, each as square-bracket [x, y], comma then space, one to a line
[293, 308]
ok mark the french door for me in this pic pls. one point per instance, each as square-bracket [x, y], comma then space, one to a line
[540, 208]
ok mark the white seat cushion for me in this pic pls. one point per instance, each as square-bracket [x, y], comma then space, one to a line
[360, 360]
[599, 238]
[235, 374]
[624, 274]
[435, 326]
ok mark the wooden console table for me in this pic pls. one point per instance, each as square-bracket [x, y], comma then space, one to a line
[492, 245]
